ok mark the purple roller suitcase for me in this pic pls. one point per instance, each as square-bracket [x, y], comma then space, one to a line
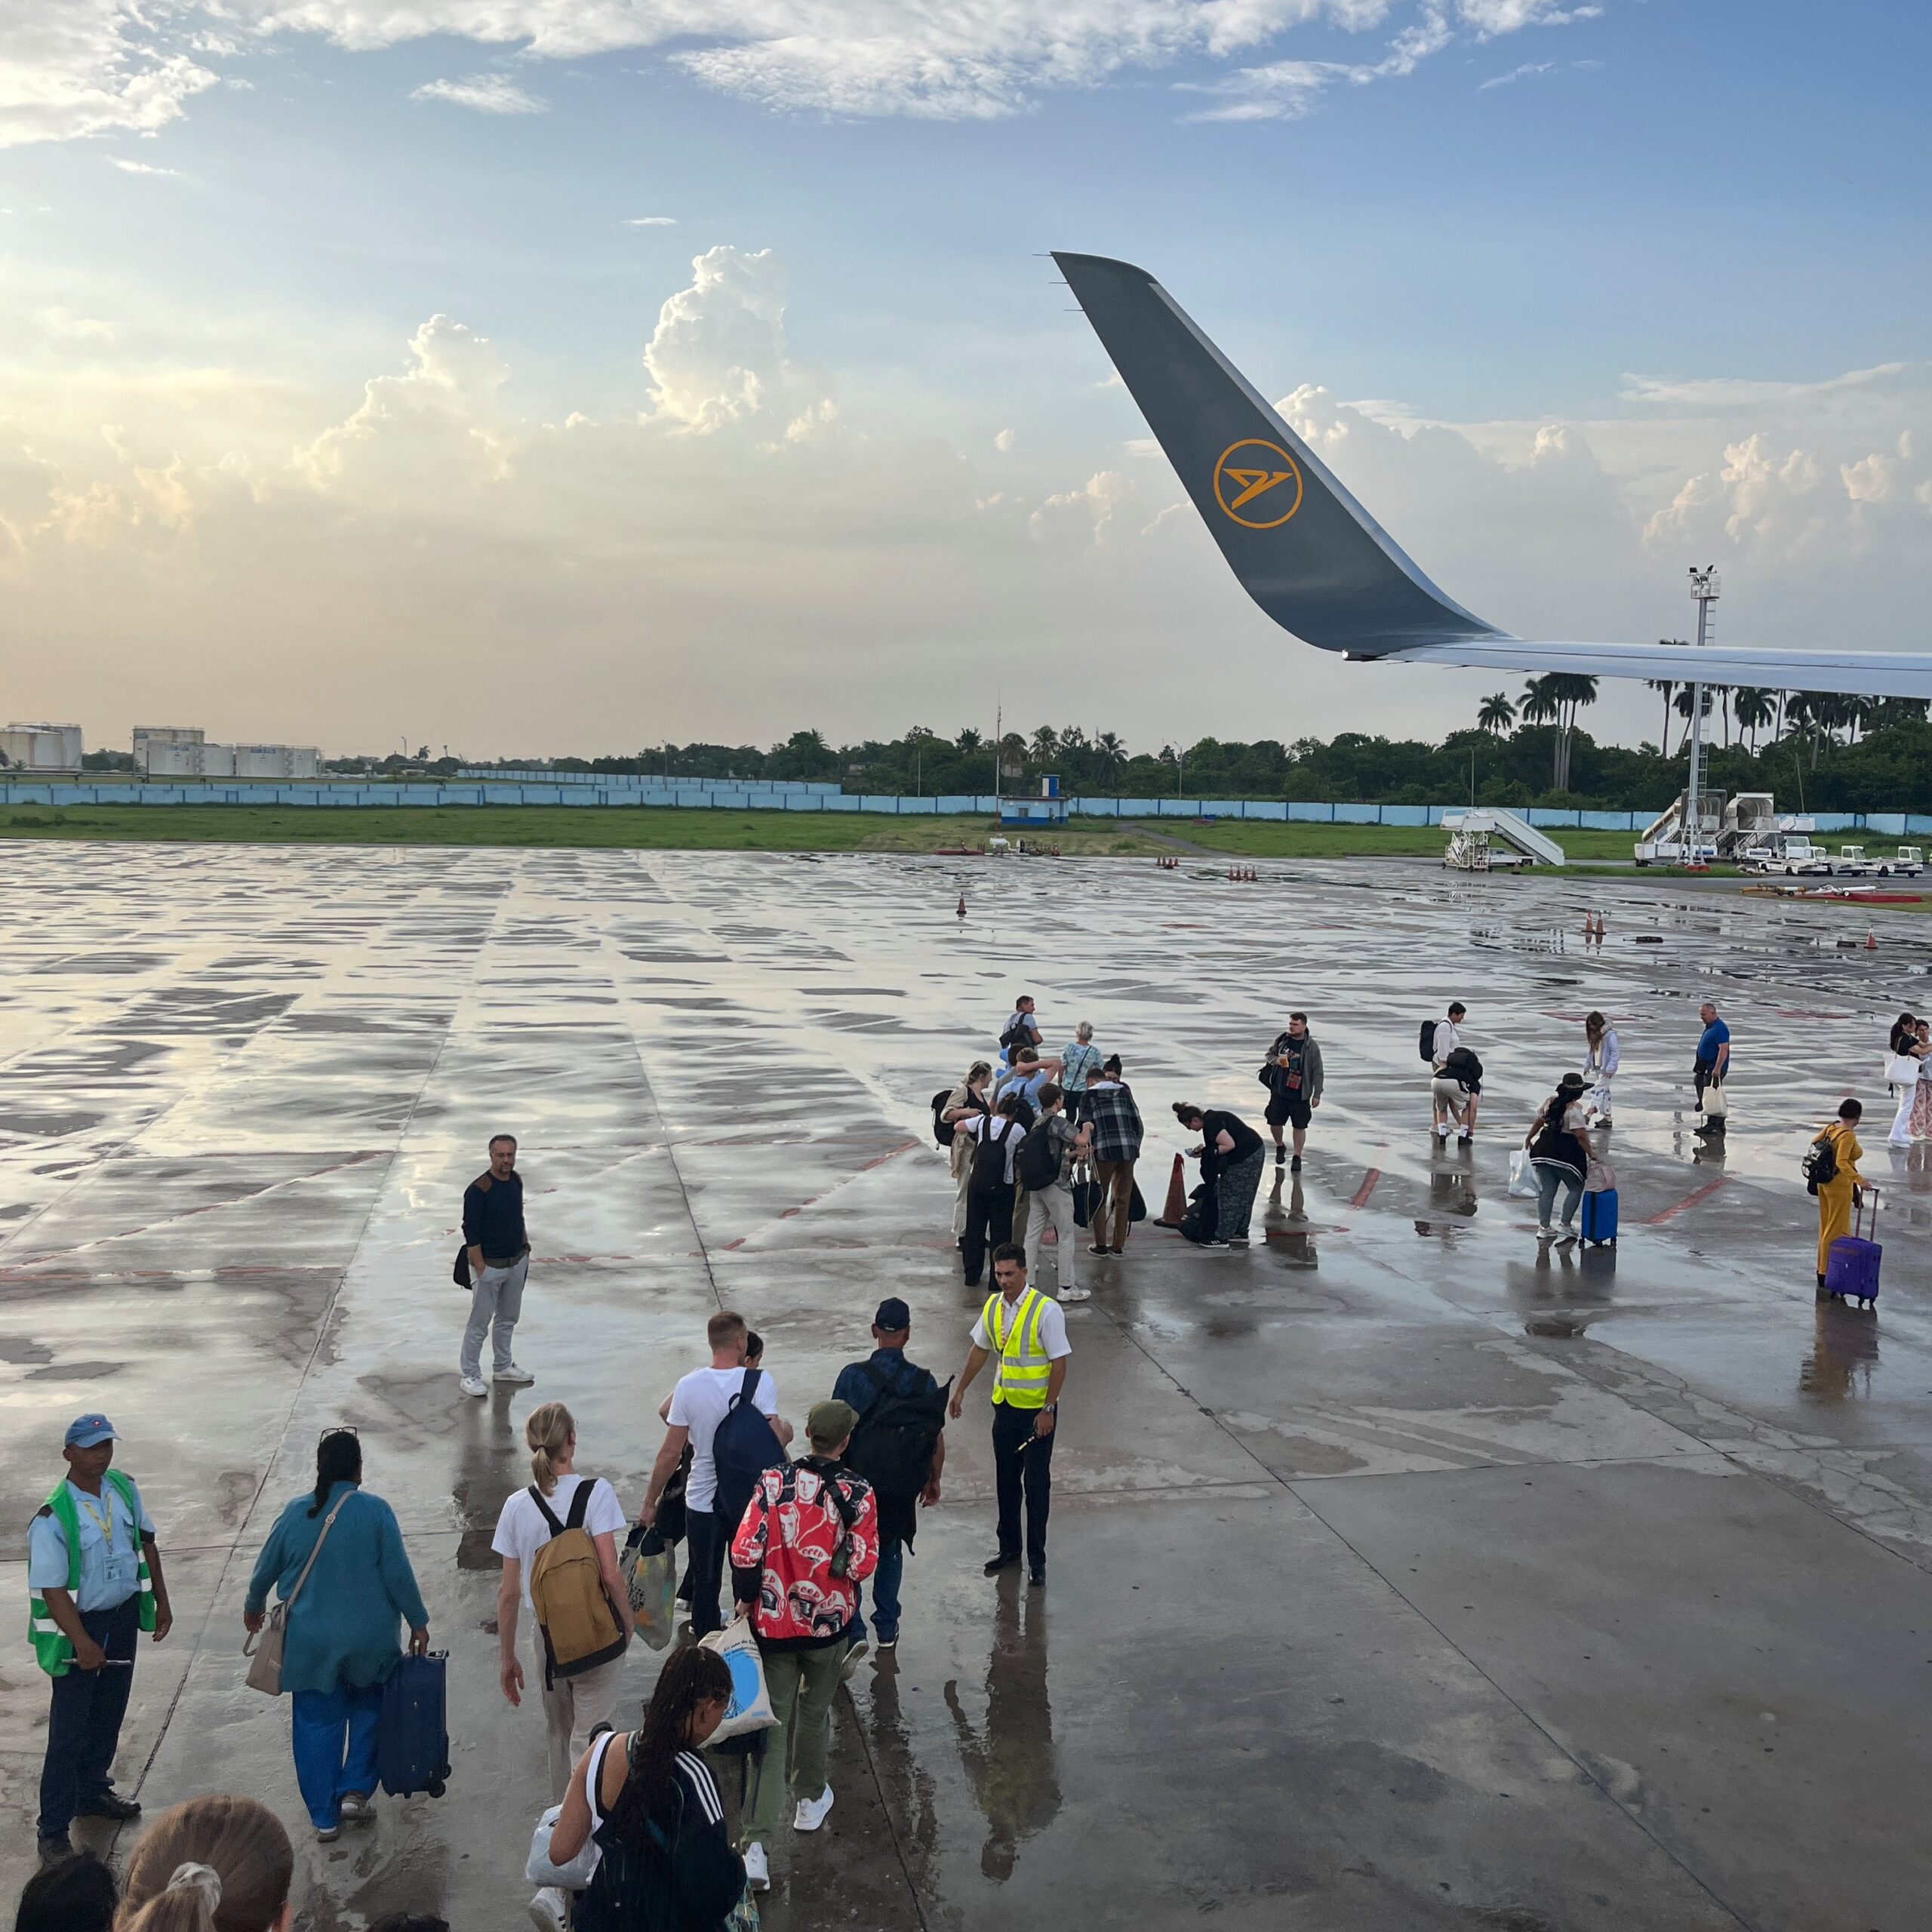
[1851, 1265]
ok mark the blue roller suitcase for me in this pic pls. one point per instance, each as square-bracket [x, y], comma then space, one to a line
[412, 1739]
[1600, 1216]
[1851, 1265]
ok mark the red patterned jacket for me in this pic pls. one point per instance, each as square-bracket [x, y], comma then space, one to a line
[783, 1556]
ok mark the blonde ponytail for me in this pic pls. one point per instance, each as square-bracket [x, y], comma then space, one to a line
[549, 1433]
[216, 1864]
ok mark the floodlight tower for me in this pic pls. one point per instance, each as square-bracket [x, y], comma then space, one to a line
[1704, 594]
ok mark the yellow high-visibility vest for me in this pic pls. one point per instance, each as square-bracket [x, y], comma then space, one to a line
[1022, 1367]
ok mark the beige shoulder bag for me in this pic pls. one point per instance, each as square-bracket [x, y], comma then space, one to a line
[263, 1647]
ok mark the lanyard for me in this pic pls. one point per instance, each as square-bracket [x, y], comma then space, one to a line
[102, 1520]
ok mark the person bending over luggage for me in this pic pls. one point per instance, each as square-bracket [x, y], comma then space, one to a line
[647, 1798]
[340, 1639]
[1838, 1197]
[1231, 1154]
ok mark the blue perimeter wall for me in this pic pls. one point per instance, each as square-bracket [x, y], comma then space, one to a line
[595, 789]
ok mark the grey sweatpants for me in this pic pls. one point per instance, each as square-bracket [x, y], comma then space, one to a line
[496, 1300]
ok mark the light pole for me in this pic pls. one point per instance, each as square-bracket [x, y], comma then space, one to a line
[1704, 593]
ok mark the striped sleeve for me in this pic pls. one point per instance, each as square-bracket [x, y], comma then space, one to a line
[698, 1780]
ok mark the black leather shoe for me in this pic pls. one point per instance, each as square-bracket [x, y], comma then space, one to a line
[995, 1564]
[56, 1851]
[1038, 1577]
[109, 1804]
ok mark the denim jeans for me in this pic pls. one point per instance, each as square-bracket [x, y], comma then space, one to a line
[496, 1300]
[1548, 1179]
[885, 1581]
[83, 1725]
[326, 1771]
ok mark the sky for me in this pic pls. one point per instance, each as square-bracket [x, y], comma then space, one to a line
[531, 377]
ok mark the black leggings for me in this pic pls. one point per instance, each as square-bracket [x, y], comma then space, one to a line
[988, 1222]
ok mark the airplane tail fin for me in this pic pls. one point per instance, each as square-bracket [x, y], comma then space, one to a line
[1303, 548]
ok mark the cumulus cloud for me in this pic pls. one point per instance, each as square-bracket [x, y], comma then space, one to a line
[651, 221]
[88, 66]
[138, 167]
[719, 547]
[483, 93]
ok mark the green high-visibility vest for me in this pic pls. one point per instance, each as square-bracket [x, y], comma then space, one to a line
[1022, 1371]
[52, 1648]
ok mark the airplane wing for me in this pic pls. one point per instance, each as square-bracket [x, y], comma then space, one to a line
[1322, 567]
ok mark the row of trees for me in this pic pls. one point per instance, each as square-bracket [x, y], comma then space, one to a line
[1817, 751]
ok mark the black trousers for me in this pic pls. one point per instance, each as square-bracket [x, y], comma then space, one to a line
[1023, 1465]
[988, 1222]
[708, 1536]
[83, 1725]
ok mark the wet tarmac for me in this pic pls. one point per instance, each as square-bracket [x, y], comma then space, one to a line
[1401, 1576]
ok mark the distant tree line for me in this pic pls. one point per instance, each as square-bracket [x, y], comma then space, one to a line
[1813, 750]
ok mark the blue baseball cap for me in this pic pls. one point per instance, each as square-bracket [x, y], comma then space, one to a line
[90, 1432]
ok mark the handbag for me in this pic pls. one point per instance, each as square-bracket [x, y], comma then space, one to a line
[1086, 1196]
[750, 1708]
[574, 1877]
[1901, 1070]
[263, 1648]
[650, 1569]
[1712, 1103]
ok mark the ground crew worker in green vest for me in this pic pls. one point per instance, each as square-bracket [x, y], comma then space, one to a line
[94, 1575]
[1024, 1333]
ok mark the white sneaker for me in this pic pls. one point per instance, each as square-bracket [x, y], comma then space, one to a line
[1214, 1248]
[757, 1869]
[472, 1385]
[521, 1377]
[812, 1811]
[1076, 1294]
[1442, 1133]
[854, 1657]
[1464, 1134]
[547, 1910]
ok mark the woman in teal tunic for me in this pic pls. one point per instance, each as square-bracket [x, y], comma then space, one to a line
[341, 1641]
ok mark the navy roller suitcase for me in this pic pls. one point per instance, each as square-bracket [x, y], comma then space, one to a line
[1600, 1215]
[1851, 1266]
[412, 1739]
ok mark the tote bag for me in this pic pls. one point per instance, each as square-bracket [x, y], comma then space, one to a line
[750, 1707]
[264, 1648]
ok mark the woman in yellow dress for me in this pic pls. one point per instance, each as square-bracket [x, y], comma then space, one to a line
[1838, 1196]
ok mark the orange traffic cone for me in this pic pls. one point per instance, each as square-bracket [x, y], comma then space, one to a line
[1177, 1198]
[1871, 940]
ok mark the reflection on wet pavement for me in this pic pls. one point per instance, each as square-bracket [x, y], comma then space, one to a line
[1404, 1574]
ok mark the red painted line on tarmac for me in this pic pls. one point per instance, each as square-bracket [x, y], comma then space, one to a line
[892, 1155]
[1689, 1201]
[1367, 1187]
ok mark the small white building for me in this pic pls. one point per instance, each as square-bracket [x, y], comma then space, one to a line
[42, 751]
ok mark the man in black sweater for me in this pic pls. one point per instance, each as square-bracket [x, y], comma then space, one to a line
[499, 1260]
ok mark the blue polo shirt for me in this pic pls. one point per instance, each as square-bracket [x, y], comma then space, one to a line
[1716, 1034]
[110, 1549]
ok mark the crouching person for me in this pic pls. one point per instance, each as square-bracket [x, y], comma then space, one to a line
[809, 1537]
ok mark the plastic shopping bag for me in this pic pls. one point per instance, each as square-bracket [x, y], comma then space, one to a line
[1522, 1176]
[750, 1707]
[571, 1877]
[651, 1574]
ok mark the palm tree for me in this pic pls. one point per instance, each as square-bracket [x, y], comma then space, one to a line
[1046, 745]
[1668, 686]
[1497, 714]
[1111, 745]
[1540, 705]
[968, 742]
[1753, 705]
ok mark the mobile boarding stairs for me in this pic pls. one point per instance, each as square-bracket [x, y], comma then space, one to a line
[1484, 839]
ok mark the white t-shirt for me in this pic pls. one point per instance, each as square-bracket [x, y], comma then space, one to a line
[1447, 1040]
[699, 1403]
[1052, 1330]
[522, 1531]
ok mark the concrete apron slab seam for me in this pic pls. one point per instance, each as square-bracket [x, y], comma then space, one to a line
[274, 1462]
[1294, 1488]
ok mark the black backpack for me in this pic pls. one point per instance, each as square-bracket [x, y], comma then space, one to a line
[1463, 1067]
[943, 1129]
[742, 1450]
[989, 1157]
[894, 1444]
[1019, 1034]
[1429, 1041]
[1037, 1165]
[1819, 1166]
